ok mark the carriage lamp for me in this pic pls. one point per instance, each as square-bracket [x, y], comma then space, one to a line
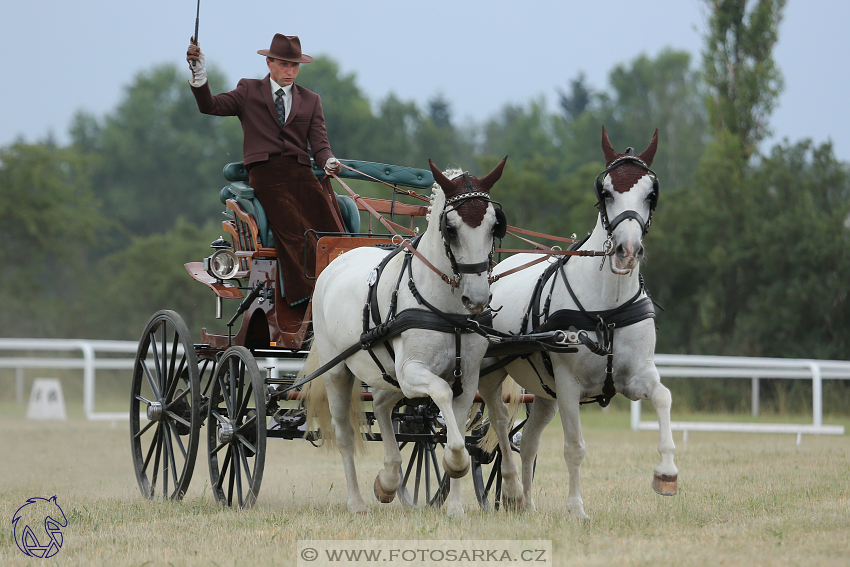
[223, 264]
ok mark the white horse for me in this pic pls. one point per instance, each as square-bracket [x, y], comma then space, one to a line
[459, 241]
[613, 295]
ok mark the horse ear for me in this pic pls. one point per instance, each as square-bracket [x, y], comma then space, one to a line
[607, 148]
[649, 153]
[490, 179]
[442, 180]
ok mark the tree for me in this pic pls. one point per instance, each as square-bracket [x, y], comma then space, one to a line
[50, 218]
[744, 82]
[157, 156]
[661, 93]
[575, 102]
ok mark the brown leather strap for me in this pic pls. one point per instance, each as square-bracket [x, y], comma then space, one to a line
[445, 278]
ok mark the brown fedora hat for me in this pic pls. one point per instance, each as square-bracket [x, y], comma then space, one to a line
[286, 47]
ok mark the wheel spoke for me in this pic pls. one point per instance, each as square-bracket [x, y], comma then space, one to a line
[243, 406]
[246, 443]
[244, 460]
[145, 428]
[168, 464]
[150, 449]
[141, 399]
[151, 381]
[174, 380]
[237, 469]
[233, 371]
[201, 374]
[176, 417]
[419, 460]
[224, 394]
[248, 423]
[230, 475]
[224, 464]
[180, 444]
[156, 458]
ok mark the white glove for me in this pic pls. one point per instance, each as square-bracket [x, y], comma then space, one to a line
[199, 73]
[332, 165]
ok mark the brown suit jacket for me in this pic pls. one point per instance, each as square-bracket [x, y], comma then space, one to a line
[263, 135]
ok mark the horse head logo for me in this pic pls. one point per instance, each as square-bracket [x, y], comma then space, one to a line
[37, 527]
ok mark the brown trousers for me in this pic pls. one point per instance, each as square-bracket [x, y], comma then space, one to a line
[294, 202]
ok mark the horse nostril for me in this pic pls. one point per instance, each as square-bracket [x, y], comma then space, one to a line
[640, 251]
[620, 250]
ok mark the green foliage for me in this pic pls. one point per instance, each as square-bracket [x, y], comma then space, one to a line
[149, 275]
[157, 156]
[744, 82]
[50, 218]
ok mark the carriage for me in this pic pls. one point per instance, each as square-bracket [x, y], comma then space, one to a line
[187, 390]
[214, 388]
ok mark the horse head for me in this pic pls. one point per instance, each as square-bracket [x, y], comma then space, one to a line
[627, 190]
[468, 222]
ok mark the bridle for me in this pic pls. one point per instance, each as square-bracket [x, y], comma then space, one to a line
[499, 229]
[609, 226]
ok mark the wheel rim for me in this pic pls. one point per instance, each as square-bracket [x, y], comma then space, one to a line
[164, 401]
[236, 429]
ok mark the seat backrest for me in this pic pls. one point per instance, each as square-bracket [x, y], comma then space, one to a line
[394, 174]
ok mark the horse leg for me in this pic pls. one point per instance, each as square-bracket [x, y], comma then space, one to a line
[388, 479]
[490, 388]
[542, 412]
[569, 396]
[339, 384]
[666, 475]
[460, 411]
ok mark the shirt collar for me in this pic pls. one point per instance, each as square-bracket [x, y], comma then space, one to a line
[287, 90]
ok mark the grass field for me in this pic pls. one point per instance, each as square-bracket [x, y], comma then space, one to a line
[744, 500]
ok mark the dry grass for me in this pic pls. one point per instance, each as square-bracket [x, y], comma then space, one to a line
[744, 500]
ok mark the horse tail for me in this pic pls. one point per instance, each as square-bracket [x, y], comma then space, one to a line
[314, 397]
[513, 392]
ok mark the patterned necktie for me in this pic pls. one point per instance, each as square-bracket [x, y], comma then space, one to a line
[279, 106]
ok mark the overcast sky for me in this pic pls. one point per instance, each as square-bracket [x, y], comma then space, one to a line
[59, 57]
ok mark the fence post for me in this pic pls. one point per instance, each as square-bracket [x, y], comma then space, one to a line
[19, 385]
[817, 394]
[755, 403]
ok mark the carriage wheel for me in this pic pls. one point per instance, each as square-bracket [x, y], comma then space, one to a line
[423, 483]
[236, 429]
[486, 471]
[165, 389]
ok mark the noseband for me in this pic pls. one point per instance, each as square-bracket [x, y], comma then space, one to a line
[498, 230]
[609, 226]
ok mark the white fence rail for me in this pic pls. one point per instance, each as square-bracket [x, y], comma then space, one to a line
[89, 363]
[682, 366]
[754, 369]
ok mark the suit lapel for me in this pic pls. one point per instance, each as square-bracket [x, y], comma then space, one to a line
[296, 102]
[266, 88]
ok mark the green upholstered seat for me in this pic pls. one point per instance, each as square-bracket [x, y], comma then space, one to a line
[395, 174]
[350, 213]
[244, 195]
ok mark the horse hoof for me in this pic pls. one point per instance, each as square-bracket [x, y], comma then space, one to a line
[513, 504]
[665, 484]
[382, 495]
[453, 473]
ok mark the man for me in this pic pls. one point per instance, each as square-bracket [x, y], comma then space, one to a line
[279, 120]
